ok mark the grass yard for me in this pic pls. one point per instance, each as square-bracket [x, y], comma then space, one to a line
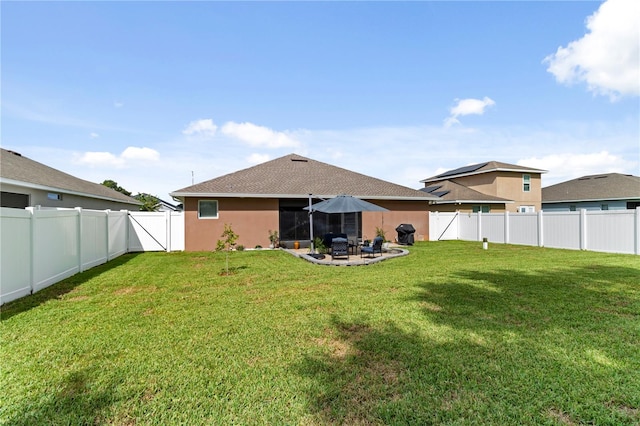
[451, 334]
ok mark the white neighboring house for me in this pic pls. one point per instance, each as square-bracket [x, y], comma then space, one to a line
[27, 183]
[609, 191]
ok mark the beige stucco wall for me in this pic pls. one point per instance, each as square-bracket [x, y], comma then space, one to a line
[507, 185]
[250, 218]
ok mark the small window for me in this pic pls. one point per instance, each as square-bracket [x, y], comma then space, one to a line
[207, 209]
[54, 196]
[526, 183]
[604, 207]
[572, 208]
[527, 209]
[483, 209]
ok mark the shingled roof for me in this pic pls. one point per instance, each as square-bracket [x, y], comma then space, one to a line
[19, 170]
[609, 186]
[295, 176]
[479, 168]
[452, 192]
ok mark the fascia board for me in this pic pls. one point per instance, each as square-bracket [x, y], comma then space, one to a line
[590, 200]
[242, 195]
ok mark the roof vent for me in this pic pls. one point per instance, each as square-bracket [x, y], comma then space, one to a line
[300, 160]
[15, 153]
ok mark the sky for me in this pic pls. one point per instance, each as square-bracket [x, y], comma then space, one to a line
[159, 95]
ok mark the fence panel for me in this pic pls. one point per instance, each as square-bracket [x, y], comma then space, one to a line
[94, 238]
[609, 231]
[117, 233]
[523, 229]
[493, 227]
[177, 231]
[562, 230]
[15, 254]
[468, 223]
[56, 246]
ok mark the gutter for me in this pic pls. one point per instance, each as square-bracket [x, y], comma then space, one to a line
[181, 195]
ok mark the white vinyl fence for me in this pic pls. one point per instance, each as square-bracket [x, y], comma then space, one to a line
[39, 247]
[614, 231]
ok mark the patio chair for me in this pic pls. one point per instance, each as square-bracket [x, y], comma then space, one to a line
[375, 247]
[339, 248]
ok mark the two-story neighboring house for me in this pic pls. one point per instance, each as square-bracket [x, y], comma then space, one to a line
[487, 187]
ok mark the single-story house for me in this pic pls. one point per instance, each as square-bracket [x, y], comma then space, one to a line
[609, 191]
[28, 183]
[271, 197]
[487, 187]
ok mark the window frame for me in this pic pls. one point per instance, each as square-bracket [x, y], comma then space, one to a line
[200, 216]
[526, 182]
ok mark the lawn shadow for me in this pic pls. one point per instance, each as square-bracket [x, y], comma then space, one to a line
[59, 289]
[78, 399]
[523, 301]
[361, 374]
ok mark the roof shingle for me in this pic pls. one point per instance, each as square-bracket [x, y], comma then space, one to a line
[18, 168]
[295, 176]
[609, 186]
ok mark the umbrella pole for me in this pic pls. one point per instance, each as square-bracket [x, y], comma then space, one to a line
[311, 225]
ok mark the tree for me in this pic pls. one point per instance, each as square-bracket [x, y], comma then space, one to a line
[229, 242]
[114, 185]
[150, 203]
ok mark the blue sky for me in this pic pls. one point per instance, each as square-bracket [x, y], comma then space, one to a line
[150, 94]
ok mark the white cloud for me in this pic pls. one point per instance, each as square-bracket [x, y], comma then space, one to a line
[258, 158]
[140, 154]
[131, 156]
[607, 58]
[203, 127]
[100, 159]
[94, 135]
[566, 166]
[467, 107]
[117, 104]
[258, 136]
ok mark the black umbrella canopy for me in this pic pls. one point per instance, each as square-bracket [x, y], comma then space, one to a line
[345, 204]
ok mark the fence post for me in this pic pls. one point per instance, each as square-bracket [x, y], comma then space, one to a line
[106, 213]
[32, 245]
[540, 229]
[637, 231]
[79, 238]
[167, 217]
[506, 227]
[126, 229]
[583, 229]
[479, 226]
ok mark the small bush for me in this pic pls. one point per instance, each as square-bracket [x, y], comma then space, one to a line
[240, 247]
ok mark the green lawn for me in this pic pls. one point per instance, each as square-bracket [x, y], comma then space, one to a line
[451, 334]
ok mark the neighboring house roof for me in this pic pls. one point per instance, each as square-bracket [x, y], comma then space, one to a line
[21, 171]
[294, 176]
[454, 193]
[609, 186]
[476, 169]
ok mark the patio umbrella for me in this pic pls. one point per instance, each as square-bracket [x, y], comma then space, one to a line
[340, 204]
[345, 204]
